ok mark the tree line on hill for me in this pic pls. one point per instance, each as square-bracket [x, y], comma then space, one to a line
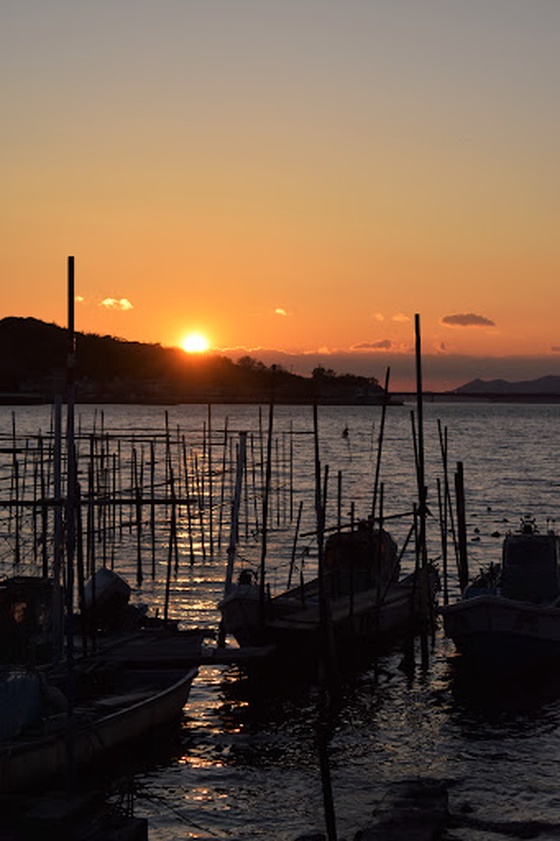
[33, 366]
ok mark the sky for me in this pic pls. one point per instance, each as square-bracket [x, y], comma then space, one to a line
[292, 180]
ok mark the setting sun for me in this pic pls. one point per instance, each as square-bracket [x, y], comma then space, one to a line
[195, 343]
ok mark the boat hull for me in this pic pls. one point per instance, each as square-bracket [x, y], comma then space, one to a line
[368, 619]
[154, 699]
[494, 632]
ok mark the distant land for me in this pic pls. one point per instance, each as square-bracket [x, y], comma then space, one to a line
[33, 369]
[544, 385]
[546, 388]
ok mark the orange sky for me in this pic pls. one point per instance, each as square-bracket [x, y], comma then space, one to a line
[302, 176]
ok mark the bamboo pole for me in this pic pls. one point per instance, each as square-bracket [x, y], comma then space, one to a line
[461, 527]
[210, 484]
[265, 517]
[294, 545]
[422, 490]
[223, 482]
[188, 501]
[380, 444]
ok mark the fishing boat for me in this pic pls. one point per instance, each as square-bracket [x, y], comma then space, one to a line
[360, 597]
[126, 677]
[43, 735]
[508, 617]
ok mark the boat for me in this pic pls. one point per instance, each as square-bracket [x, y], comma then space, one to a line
[508, 617]
[28, 630]
[126, 677]
[361, 597]
[116, 704]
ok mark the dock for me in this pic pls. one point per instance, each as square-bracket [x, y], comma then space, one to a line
[162, 648]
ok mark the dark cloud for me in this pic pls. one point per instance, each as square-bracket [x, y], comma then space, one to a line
[467, 319]
[555, 349]
[383, 344]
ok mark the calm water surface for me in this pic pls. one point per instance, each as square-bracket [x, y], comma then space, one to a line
[244, 764]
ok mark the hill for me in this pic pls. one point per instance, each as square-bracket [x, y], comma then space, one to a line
[541, 387]
[109, 370]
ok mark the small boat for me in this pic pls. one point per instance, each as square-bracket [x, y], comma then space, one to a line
[133, 676]
[42, 735]
[368, 603]
[508, 617]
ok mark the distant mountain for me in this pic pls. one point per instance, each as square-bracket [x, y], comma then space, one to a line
[542, 386]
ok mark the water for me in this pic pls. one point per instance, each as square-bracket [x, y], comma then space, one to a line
[244, 764]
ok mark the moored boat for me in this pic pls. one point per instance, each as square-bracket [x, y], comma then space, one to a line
[508, 617]
[368, 603]
[115, 706]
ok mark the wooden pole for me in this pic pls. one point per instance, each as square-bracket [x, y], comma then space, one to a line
[266, 495]
[188, 501]
[223, 483]
[461, 527]
[210, 484]
[70, 529]
[380, 444]
[234, 526]
[294, 545]
[422, 491]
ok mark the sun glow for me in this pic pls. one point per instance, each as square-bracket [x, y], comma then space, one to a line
[195, 343]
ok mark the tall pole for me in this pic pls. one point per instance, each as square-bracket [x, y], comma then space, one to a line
[70, 525]
[266, 496]
[380, 444]
[422, 492]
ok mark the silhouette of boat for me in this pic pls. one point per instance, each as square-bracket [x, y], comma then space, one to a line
[367, 604]
[508, 617]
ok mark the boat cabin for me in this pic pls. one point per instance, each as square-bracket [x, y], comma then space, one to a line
[360, 559]
[530, 566]
[25, 619]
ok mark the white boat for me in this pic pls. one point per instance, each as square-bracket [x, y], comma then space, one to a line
[508, 618]
[368, 603]
[116, 706]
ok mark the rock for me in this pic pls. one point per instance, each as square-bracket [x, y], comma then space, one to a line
[416, 810]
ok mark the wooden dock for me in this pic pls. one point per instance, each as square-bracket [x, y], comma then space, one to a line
[162, 648]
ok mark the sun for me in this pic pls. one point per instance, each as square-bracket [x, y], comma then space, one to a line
[195, 343]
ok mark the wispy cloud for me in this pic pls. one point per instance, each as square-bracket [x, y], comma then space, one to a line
[280, 311]
[401, 318]
[467, 319]
[121, 304]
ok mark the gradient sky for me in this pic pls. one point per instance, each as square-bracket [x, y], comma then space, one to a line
[302, 176]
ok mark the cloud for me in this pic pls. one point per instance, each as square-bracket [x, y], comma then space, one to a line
[555, 349]
[378, 316]
[280, 311]
[122, 304]
[467, 319]
[440, 347]
[383, 344]
[79, 299]
[401, 318]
